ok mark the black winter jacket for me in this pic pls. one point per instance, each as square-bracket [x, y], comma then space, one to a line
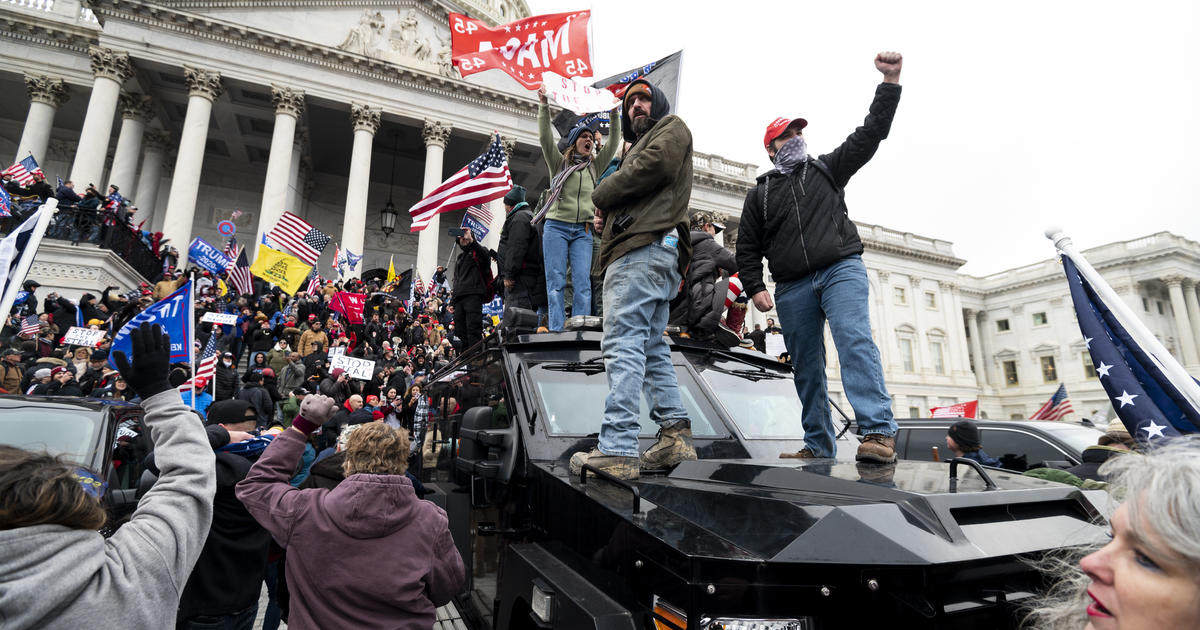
[804, 225]
[228, 382]
[700, 309]
[260, 399]
[468, 271]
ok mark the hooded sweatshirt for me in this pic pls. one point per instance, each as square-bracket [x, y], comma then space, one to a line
[653, 184]
[367, 554]
[574, 205]
[52, 576]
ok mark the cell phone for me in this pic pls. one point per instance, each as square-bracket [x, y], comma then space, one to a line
[456, 232]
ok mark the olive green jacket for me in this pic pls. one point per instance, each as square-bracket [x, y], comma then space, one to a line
[654, 184]
[574, 205]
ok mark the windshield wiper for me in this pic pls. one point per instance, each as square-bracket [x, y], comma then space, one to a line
[759, 373]
[589, 367]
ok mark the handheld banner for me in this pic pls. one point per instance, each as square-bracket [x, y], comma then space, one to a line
[77, 336]
[559, 42]
[202, 254]
[172, 314]
[355, 367]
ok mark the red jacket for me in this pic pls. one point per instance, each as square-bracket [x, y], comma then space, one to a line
[367, 554]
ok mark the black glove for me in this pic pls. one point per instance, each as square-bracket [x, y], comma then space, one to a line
[151, 355]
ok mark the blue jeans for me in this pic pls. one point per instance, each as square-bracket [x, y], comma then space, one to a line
[838, 293]
[638, 288]
[562, 241]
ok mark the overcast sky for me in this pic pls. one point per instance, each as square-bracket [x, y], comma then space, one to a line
[1015, 116]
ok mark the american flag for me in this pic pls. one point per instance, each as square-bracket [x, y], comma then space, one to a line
[299, 237]
[314, 282]
[23, 171]
[114, 201]
[231, 250]
[1138, 377]
[1058, 406]
[239, 274]
[420, 286]
[207, 365]
[481, 212]
[484, 179]
[5, 203]
[30, 325]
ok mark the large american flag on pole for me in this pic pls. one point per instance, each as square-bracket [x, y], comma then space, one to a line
[299, 237]
[239, 274]
[1056, 408]
[23, 171]
[484, 179]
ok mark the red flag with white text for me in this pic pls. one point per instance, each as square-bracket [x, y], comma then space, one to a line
[349, 304]
[560, 42]
[960, 410]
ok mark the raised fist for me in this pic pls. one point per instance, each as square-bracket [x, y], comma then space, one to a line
[889, 64]
[317, 408]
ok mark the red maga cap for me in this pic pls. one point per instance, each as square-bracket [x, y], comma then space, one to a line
[778, 126]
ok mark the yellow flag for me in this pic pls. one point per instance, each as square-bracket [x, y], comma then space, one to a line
[391, 271]
[280, 268]
[224, 288]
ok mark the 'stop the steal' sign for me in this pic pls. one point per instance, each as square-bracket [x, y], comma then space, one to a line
[355, 367]
[77, 336]
[578, 97]
[202, 254]
[524, 49]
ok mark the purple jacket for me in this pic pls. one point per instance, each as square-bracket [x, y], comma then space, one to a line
[367, 554]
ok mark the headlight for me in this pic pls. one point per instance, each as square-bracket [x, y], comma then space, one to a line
[725, 623]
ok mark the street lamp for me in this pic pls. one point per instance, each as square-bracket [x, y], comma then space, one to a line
[387, 216]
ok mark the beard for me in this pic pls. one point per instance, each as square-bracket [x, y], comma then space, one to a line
[641, 125]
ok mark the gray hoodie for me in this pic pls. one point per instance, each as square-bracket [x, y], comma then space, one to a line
[52, 576]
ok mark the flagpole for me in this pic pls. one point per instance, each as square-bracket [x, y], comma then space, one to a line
[26, 259]
[191, 321]
[1179, 377]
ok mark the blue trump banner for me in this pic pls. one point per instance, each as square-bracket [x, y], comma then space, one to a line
[475, 225]
[173, 314]
[495, 307]
[202, 254]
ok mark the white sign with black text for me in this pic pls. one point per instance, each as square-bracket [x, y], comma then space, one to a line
[77, 336]
[361, 369]
[220, 318]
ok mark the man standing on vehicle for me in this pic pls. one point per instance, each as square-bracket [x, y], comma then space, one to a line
[796, 217]
[643, 211]
[472, 273]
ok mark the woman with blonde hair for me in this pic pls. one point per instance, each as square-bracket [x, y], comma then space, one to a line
[1148, 574]
[365, 554]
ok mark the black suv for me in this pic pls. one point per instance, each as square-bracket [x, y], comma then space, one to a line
[106, 436]
[738, 539]
[1020, 445]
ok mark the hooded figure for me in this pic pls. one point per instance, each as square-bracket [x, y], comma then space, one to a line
[521, 255]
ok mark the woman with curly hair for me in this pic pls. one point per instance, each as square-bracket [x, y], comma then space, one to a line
[1148, 575]
[366, 554]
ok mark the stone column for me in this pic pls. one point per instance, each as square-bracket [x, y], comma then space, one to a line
[437, 136]
[955, 337]
[981, 377]
[289, 104]
[204, 87]
[292, 203]
[960, 330]
[136, 111]
[886, 340]
[354, 225]
[111, 69]
[922, 339]
[1193, 309]
[147, 184]
[46, 94]
[1183, 326]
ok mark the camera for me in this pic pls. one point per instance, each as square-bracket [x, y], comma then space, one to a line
[456, 232]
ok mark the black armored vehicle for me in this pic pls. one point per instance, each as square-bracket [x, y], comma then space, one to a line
[739, 539]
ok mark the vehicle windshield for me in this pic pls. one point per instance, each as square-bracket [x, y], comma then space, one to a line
[56, 431]
[764, 407]
[573, 393]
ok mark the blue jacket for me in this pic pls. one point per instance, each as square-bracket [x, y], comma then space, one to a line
[983, 458]
[202, 401]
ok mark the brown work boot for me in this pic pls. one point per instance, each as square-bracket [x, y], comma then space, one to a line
[674, 445]
[804, 453]
[877, 448]
[615, 465]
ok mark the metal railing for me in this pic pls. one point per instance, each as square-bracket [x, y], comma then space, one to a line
[98, 227]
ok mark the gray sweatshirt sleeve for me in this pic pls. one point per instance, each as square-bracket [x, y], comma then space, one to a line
[164, 537]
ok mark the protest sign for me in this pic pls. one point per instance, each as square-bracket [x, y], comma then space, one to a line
[220, 318]
[204, 255]
[361, 369]
[77, 336]
[475, 225]
[172, 314]
[576, 96]
[335, 351]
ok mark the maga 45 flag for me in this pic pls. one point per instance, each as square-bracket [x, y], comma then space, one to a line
[1147, 401]
[174, 314]
[560, 43]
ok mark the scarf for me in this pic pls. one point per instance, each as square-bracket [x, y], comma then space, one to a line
[578, 163]
[793, 154]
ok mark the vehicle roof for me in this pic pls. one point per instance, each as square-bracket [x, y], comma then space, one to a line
[89, 404]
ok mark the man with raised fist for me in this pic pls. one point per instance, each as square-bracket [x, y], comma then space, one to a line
[796, 218]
